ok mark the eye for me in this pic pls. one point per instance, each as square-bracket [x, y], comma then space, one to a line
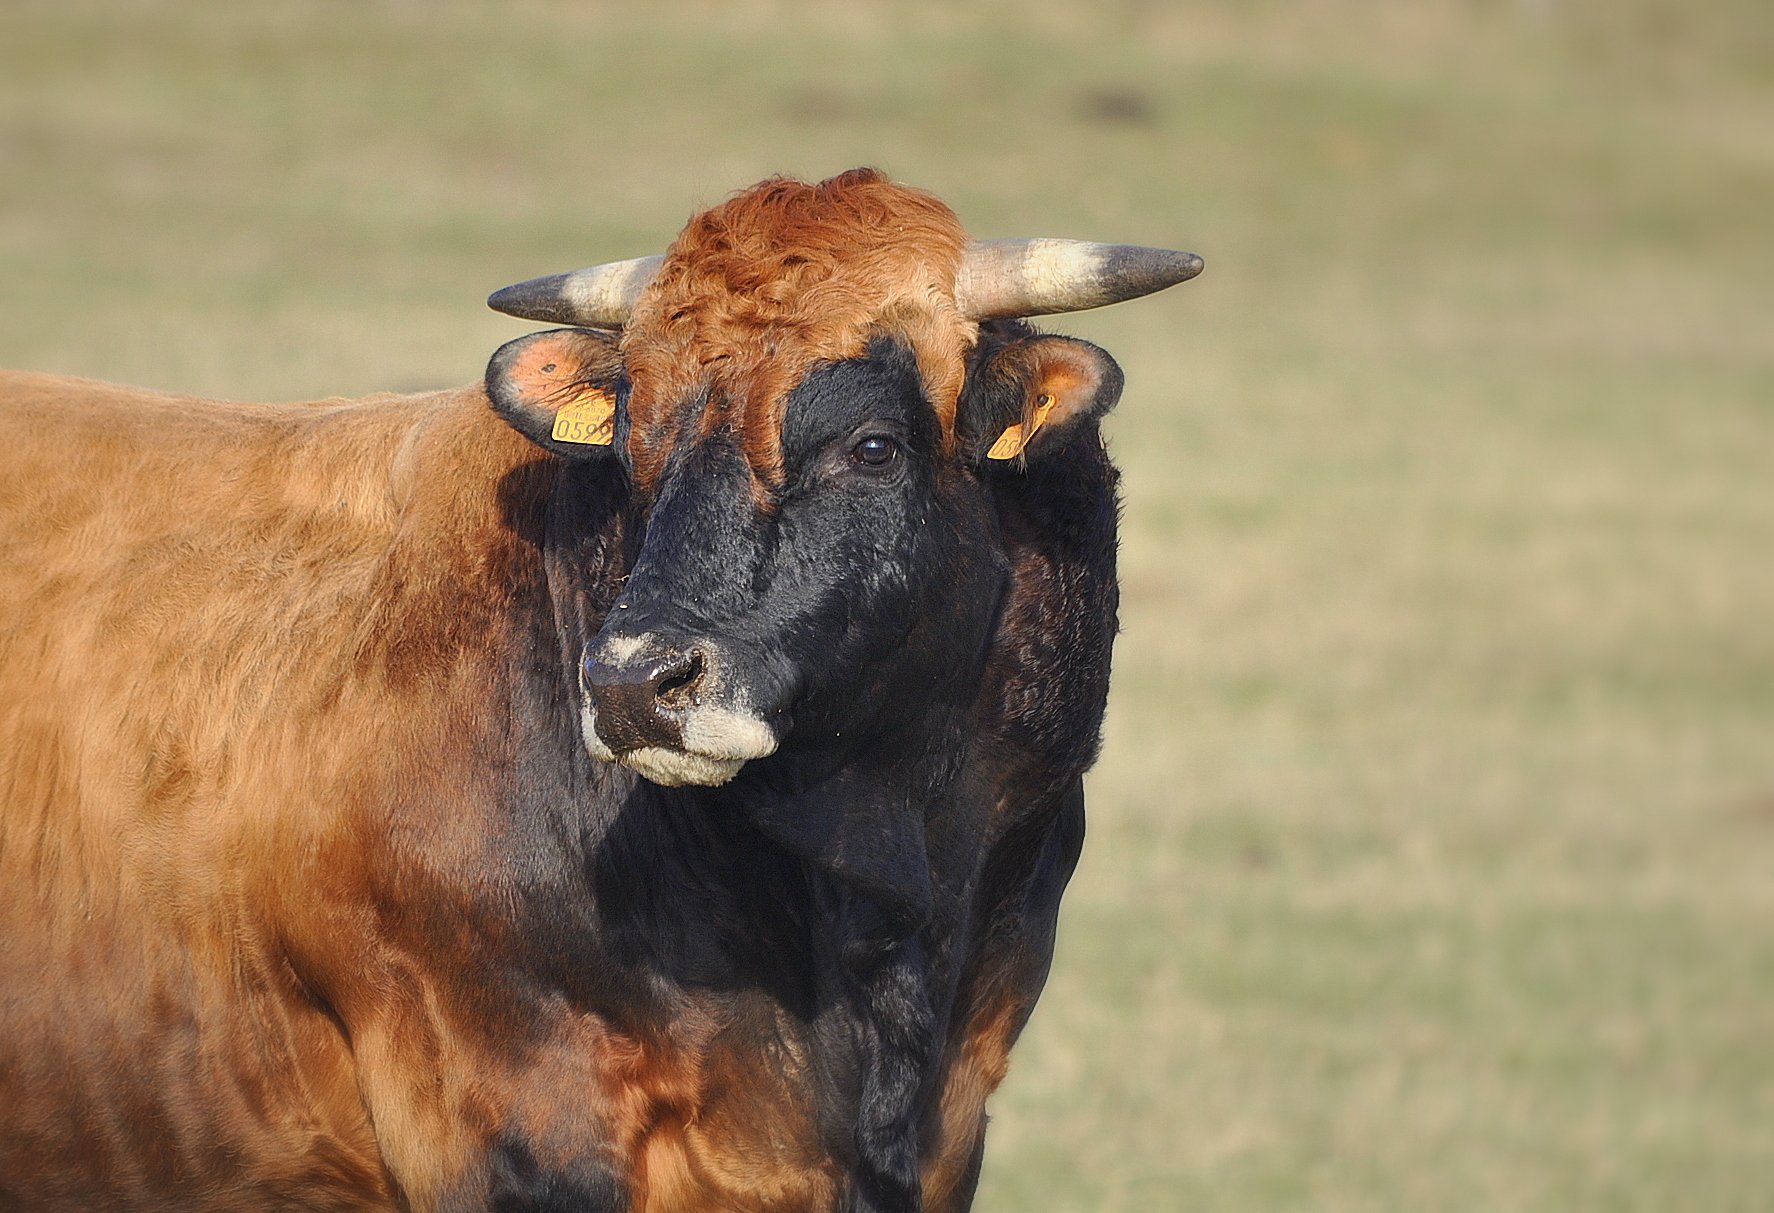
[875, 451]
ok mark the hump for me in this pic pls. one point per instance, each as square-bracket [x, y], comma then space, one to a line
[76, 447]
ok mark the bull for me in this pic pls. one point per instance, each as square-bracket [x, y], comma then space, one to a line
[643, 781]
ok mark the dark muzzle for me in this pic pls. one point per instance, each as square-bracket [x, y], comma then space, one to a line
[641, 702]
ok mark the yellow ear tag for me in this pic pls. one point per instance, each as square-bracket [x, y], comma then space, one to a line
[590, 420]
[1011, 442]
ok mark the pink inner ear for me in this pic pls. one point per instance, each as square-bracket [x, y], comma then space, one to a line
[1071, 376]
[548, 373]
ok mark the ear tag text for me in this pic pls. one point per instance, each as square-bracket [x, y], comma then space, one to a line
[590, 420]
[1011, 442]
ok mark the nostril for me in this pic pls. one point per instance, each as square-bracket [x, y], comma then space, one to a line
[646, 690]
[676, 685]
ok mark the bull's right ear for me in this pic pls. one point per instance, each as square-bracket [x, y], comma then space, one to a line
[558, 389]
[1030, 393]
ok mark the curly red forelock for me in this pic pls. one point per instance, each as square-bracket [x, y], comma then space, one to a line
[785, 275]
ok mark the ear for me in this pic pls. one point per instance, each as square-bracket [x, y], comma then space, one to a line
[558, 389]
[1031, 395]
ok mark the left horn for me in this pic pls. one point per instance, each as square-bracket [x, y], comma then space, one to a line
[1004, 278]
[601, 297]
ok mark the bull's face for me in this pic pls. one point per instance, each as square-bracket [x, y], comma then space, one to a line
[850, 599]
[825, 437]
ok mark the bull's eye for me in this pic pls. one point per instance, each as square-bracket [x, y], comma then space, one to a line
[875, 451]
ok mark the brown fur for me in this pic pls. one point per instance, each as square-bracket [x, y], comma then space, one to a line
[756, 291]
[196, 593]
[978, 1059]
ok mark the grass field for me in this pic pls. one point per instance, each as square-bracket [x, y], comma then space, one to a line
[1432, 852]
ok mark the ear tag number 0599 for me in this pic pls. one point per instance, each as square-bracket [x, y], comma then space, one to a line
[589, 421]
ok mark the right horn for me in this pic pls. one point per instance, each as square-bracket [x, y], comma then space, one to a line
[600, 297]
[1005, 278]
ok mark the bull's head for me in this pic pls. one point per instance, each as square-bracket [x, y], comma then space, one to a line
[812, 399]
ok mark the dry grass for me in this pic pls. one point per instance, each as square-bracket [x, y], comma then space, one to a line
[1432, 854]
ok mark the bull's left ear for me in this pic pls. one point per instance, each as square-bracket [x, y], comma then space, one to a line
[1031, 395]
[558, 389]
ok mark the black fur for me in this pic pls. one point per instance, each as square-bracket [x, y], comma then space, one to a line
[933, 641]
[519, 1185]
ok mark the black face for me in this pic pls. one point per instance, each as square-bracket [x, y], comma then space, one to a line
[812, 653]
[850, 606]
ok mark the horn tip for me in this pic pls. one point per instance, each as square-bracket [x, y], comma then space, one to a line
[1153, 268]
[536, 299]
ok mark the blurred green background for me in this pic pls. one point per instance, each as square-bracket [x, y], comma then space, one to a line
[1432, 852]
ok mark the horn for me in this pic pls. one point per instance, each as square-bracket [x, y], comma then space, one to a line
[1004, 278]
[997, 278]
[599, 298]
